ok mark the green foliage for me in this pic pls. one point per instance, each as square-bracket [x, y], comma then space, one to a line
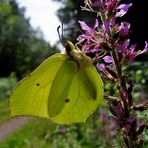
[139, 72]
[4, 111]
[6, 86]
[33, 134]
[41, 133]
[70, 14]
[21, 47]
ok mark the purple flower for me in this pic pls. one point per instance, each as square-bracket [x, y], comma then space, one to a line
[112, 38]
[122, 46]
[108, 6]
[104, 71]
[122, 9]
[90, 4]
[124, 29]
[146, 47]
[107, 25]
[111, 4]
[88, 40]
[144, 50]
[131, 53]
[97, 3]
[127, 51]
[105, 6]
[87, 28]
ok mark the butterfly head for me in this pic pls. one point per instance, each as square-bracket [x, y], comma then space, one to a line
[76, 55]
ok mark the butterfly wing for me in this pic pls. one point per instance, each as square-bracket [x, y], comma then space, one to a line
[30, 97]
[83, 94]
[60, 87]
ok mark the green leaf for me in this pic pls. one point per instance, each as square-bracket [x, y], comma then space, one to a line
[64, 88]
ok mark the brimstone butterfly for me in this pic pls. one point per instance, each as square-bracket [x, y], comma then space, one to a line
[65, 88]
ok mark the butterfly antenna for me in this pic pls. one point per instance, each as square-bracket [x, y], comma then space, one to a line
[61, 37]
[62, 30]
[58, 30]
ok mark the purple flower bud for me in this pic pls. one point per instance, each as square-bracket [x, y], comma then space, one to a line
[119, 110]
[97, 3]
[122, 47]
[127, 129]
[131, 53]
[108, 59]
[101, 67]
[124, 29]
[107, 26]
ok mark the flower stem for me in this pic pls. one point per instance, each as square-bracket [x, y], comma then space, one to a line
[130, 142]
[121, 81]
[118, 69]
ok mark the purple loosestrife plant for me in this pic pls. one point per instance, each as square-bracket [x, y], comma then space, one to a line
[109, 42]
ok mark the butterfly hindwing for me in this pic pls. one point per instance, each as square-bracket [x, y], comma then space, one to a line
[60, 87]
[83, 96]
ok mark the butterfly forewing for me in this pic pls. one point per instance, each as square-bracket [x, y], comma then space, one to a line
[30, 97]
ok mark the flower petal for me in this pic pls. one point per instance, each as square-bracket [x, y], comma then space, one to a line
[144, 50]
[146, 47]
[85, 27]
[96, 24]
[123, 8]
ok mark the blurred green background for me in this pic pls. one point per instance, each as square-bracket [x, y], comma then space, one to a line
[23, 48]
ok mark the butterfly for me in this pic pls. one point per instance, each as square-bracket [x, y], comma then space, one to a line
[66, 88]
